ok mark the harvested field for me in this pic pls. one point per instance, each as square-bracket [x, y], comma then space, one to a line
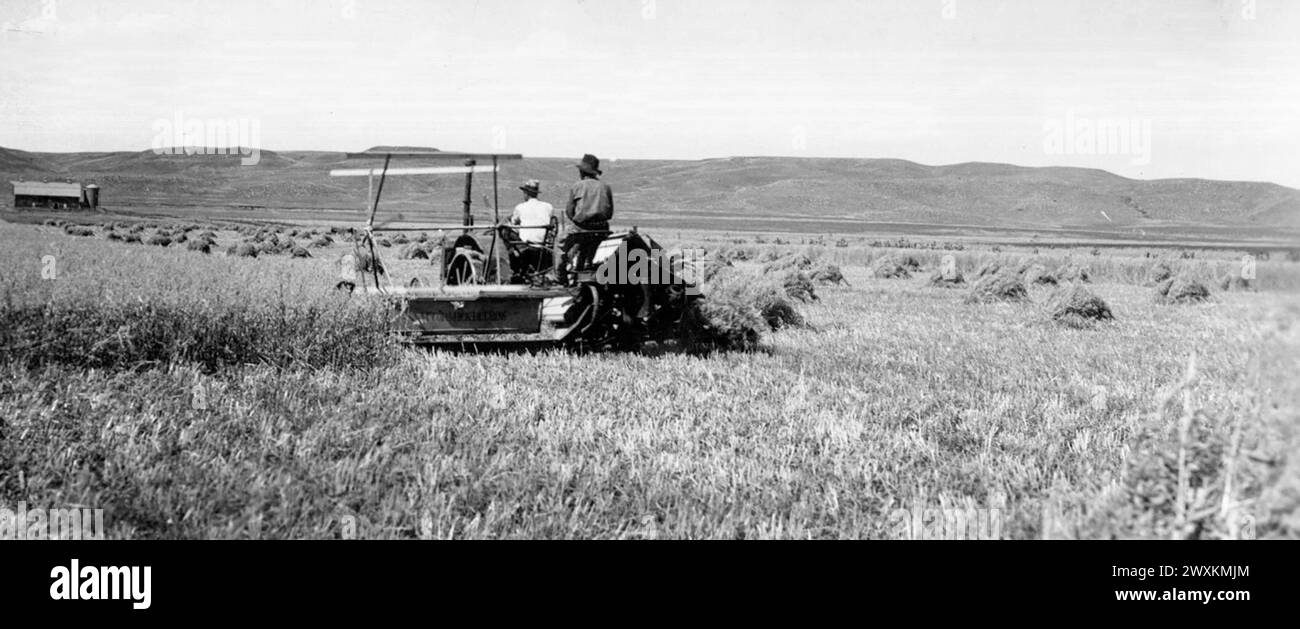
[659, 270]
[875, 384]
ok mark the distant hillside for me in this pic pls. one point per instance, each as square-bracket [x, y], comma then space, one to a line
[878, 190]
[12, 161]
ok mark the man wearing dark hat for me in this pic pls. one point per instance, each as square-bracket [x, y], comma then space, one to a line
[589, 208]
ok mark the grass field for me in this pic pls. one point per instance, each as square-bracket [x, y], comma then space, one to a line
[194, 395]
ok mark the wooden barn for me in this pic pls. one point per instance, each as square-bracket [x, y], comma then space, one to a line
[61, 195]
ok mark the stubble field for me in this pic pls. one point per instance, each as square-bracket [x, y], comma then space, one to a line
[204, 395]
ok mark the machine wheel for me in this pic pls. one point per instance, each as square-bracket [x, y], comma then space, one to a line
[460, 271]
[470, 267]
[597, 322]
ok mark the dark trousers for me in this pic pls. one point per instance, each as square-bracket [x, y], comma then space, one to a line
[579, 248]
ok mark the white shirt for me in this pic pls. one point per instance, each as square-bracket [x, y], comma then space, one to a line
[532, 212]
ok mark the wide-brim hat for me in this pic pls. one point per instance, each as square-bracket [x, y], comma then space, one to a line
[532, 186]
[589, 164]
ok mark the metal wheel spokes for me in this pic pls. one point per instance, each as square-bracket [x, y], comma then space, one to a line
[463, 270]
[464, 274]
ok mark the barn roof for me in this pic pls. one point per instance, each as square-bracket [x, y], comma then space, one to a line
[43, 189]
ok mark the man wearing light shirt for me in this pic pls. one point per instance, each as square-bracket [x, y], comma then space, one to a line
[533, 213]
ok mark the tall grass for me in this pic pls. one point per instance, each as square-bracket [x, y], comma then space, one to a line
[99, 304]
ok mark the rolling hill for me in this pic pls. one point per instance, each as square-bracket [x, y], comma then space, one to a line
[729, 190]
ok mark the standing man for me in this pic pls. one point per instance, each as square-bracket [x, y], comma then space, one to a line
[589, 208]
[534, 214]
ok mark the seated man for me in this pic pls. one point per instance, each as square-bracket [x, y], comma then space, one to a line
[535, 218]
[533, 213]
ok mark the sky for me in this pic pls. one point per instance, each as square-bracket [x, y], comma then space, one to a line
[1145, 89]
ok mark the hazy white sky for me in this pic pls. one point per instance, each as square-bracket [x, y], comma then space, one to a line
[1201, 88]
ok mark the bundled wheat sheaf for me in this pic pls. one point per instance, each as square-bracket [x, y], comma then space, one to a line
[1076, 306]
[739, 308]
[949, 279]
[797, 262]
[828, 274]
[1001, 286]
[1233, 281]
[366, 263]
[1181, 290]
[413, 251]
[1159, 272]
[1037, 274]
[894, 266]
[1073, 273]
[798, 285]
[991, 267]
